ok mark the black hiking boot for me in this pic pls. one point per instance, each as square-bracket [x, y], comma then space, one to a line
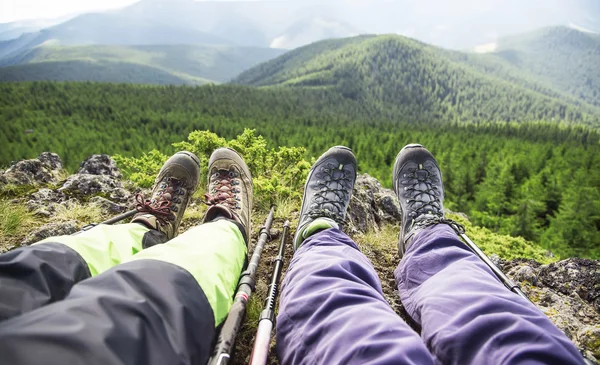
[327, 193]
[417, 182]
[174, 186]
[230, 190]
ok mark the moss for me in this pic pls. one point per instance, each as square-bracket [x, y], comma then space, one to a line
[17, 191]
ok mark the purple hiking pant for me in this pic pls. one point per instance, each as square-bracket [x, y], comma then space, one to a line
[333, 311]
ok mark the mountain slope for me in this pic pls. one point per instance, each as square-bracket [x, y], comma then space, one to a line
[108, 28]
[567, 59]
[399, 74]
[190, 64]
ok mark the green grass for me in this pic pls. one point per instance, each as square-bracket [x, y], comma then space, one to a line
[15, 222]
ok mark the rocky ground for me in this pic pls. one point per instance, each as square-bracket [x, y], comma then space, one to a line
[567, 291]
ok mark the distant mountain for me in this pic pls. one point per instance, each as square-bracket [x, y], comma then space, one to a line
[566, 58]
[170, 64]
[459, 24]
[107, 28]
[395, 72]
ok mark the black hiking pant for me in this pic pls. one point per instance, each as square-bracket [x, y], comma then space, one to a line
[139, 312]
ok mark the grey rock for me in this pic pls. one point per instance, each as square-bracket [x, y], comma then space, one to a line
[581, 276]
[44, 201]
[371, 205]
[100, 165]
[42, 170]
[567, 292]
[86, 185]
[51, 161]
[51, 230]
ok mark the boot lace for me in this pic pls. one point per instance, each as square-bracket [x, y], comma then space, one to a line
[223, 190]
[334, 191]
[422, 192]
[164, 201]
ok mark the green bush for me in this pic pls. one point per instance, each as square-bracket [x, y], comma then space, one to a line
[278, 174]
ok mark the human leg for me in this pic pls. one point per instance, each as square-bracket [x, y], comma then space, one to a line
[45, 272]
[332, 309]
[466, 313]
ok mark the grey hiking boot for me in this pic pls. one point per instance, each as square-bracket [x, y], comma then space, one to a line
[174, 186]
[230, 189]
[417, 182]
[327, 193]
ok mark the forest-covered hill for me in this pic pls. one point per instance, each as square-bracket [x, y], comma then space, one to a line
[160, 64]
[538, 180]
[397, 72]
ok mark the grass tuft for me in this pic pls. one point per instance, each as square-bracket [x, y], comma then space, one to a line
[15, 222]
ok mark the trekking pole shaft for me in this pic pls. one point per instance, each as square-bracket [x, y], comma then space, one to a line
[224, 347]
[511, 285]
[121, 217]
[260, 352]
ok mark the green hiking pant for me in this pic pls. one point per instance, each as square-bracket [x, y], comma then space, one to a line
[212, 253]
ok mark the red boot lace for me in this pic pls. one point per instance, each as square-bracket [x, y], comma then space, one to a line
[223, 192]
[159, 207]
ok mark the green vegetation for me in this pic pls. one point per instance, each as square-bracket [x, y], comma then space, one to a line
[165, 64]
[563, 57]
[514, 158]
[400, 76]
[15, 220]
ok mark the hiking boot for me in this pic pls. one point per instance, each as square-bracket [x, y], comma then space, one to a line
[417, 182]
[229, 189]
[327, 193]
[174, 186]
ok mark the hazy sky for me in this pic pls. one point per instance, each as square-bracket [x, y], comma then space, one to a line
[12, 10]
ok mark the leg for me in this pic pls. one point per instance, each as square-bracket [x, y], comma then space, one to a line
[34, 276]
[332, 310]
[467, 315]
[31, 277]
[161, 307]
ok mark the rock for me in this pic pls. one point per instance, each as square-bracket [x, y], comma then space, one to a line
[42, 170]
[51, 161]
[567, 292]
[107, 206]
[590, 340]
[581, 276]
[372, 205]
[85, 184]
[51, 230]
[100, 165]
[44, 201]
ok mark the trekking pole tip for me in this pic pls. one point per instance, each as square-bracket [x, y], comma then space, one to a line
[287, 224]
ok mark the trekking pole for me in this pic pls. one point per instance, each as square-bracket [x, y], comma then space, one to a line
[267, 317]
[511, 285]
[224, 347]
[114, 220]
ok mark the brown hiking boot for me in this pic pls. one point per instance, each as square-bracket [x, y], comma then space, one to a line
[229, 189]
[176, 183]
